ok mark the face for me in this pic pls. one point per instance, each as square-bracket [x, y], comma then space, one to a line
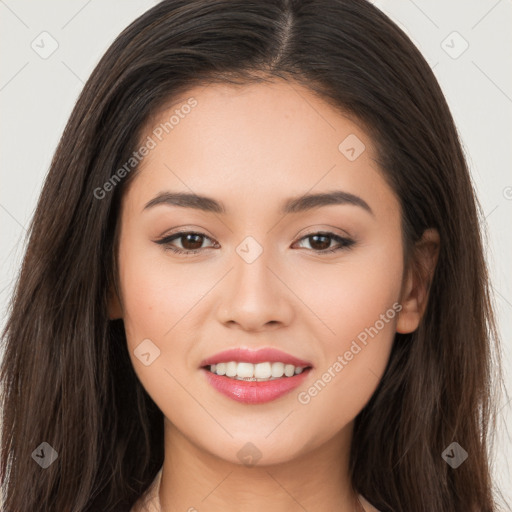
[318, 280]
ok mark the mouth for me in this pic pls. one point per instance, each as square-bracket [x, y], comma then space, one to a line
[255, 377]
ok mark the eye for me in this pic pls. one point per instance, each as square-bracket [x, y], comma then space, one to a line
[191, 242]
[322, 241]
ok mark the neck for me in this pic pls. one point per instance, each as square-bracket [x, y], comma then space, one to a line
[313, 480]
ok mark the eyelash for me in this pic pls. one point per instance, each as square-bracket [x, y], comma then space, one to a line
[345, 243]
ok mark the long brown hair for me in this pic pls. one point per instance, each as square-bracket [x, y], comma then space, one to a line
[66, 374]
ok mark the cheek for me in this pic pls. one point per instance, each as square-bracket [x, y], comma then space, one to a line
[155, 295]
[359, 303]
[156, 303]
[351, 294]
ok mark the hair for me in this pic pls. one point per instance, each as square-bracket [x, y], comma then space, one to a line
[66, 375]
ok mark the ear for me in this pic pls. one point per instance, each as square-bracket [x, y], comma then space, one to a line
[115, 310]
[416, 283]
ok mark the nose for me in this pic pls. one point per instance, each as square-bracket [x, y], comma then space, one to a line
[255, 296]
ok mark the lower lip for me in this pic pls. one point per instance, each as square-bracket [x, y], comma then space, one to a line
[253, 392]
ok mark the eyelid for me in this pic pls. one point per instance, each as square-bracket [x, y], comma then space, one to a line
[186, 229]
[316, 229]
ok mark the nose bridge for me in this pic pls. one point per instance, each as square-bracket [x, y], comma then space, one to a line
[254, 296]
[251, 267]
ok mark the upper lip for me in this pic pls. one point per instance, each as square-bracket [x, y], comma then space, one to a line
[261, 355]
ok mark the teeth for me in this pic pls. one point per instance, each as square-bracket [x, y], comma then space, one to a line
[261, 370]
[248, 370]
[289, 370]
[277, 369]
[231, 368]
[255, 372]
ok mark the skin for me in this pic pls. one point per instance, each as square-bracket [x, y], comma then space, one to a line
[252, 147]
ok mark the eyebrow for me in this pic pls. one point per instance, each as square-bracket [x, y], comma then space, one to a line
[291, 205]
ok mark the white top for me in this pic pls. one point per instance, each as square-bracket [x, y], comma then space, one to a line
[150, 502]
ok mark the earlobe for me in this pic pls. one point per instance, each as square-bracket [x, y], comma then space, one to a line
[416, 285]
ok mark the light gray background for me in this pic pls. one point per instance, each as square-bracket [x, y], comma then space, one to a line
[37, 95]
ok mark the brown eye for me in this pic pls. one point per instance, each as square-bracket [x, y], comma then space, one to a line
[321, 242]
[191, 242]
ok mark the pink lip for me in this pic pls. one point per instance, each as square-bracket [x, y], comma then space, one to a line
[254, 356]
[254, 392]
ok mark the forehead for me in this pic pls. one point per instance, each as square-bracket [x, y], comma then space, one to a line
[256, 141]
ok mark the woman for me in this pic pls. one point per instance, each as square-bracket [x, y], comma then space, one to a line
[255, 278]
